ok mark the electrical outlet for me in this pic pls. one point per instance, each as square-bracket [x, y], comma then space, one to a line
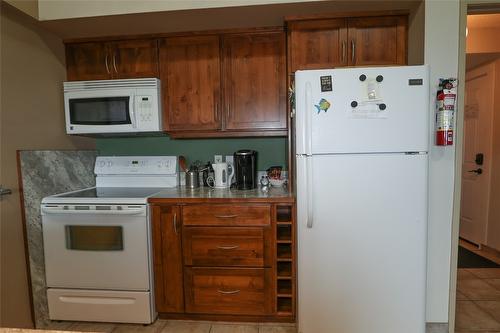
[229, 159]
[217, 158]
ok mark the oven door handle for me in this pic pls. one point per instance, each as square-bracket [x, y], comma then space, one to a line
[132, 211]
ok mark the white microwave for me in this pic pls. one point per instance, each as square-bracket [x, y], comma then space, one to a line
[113, 106]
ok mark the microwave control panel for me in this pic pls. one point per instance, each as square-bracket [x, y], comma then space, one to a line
[146, 115]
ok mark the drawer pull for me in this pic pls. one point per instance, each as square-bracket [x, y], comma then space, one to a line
[226, 216]
[227, 247]
[228, 292]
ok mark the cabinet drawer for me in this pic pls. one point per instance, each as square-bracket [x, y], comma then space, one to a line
[226, 215]
[227, 246]
[243, 291]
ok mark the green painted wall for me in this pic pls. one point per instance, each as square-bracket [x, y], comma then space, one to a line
[271, 151]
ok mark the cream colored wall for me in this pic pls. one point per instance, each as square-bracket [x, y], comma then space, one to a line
[441, 54]
[63, 9]
[29, 7]
[32, 117]
[493, 231]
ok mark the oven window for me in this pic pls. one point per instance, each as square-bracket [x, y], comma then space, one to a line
[94, 238]
[99, 111]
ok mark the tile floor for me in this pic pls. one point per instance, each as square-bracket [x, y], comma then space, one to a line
[176, 326]
[478, 300]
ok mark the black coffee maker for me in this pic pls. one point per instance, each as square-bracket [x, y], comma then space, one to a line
[245, 166]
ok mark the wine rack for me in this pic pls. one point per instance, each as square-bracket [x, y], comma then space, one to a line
[285, 260]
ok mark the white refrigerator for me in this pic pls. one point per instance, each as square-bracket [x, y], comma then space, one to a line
[362, 136]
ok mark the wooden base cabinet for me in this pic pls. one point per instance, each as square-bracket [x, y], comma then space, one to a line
[236, 291]
[167, 259]
[225, 261]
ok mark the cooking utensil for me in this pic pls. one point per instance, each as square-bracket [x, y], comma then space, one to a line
[192, 179]
[182, 163]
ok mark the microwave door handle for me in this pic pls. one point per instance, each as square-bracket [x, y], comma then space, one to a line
[132, 112]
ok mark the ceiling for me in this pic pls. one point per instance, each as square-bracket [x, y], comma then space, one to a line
[483, 21]
[212, 18]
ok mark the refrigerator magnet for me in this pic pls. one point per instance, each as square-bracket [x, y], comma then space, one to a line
[323, 105]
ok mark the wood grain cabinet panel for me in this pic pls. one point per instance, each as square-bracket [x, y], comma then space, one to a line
[134, 59]
[226, 215]
[254, 81]
[318, 44]
[112, 60]
[167, 259]
[356, 41]
[88, 61]
[227, 246]
[377, 40]
[190, 74]
[241, 291]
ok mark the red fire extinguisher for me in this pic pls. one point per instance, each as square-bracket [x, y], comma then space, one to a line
[445, 111]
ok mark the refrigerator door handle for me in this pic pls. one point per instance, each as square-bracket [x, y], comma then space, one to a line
[309, 191]
[307, 135]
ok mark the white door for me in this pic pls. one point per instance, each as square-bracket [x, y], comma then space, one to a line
[479, 94]
[349, 111]
[362, 259]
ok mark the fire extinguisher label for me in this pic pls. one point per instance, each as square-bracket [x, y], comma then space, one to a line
[444, 120]
[445, 111]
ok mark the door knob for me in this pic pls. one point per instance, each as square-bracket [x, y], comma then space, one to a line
[4, 191]
[477, 171]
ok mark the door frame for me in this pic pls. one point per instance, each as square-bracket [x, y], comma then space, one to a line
[490, 6]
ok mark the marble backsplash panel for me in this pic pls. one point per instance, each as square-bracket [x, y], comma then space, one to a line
[46, 173]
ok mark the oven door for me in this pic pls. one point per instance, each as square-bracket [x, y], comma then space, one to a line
[100, 111]
[96, 246]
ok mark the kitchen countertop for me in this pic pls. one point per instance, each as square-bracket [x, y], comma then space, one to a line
[206, 194]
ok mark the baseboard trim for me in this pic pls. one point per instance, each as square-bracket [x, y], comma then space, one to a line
[437, 328]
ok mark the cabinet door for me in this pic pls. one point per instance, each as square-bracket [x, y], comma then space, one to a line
[190, 74]
[317, 44]
[377, 40]
[88, 61]
[167, 259]
[134, 59]
[254, 81]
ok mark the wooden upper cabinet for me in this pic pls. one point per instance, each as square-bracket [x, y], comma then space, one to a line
[134, 59]
[254, 81]
[318, 44]
[337, 42]
[190, 75]
[377, 40]
[167, 259]
[87, 61]
[112, 60]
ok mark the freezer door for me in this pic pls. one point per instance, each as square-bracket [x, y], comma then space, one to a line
[362, 264]
[363, 110]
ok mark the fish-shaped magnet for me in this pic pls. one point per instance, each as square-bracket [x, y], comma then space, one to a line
[323, 105]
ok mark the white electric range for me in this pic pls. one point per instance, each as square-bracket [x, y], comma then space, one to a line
[97, 242]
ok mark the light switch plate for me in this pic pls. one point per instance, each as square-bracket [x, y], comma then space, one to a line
[217, 158]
